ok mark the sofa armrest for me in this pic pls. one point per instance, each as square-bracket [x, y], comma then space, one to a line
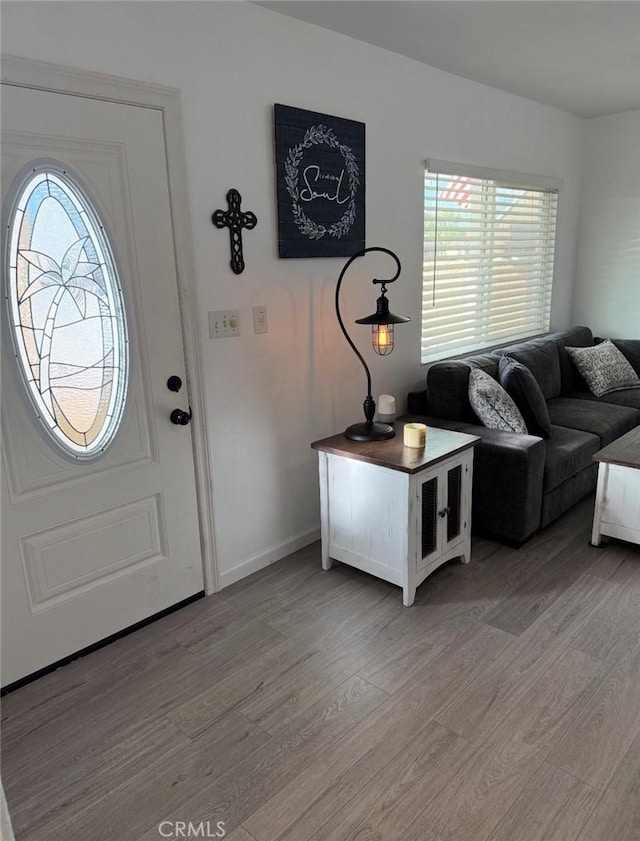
[507, 480]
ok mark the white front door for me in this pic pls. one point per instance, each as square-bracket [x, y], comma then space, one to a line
[90, 547]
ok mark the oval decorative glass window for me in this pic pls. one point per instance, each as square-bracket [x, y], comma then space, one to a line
[67, 312]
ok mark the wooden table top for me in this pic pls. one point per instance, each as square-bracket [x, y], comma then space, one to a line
[441, 443]
[624, 450]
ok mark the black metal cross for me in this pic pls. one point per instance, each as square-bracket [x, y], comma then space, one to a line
[235, 220]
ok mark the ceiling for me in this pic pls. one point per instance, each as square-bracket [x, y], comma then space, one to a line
[582, 56]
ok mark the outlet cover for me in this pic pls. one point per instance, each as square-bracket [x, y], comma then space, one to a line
[260, 321]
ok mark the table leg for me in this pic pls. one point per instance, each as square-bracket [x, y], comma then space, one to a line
[408, 595]
[597, 512]
[323, 468]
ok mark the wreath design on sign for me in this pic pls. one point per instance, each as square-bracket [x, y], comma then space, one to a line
[307, 227]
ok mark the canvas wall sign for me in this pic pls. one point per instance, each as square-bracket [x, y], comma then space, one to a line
[320, 172]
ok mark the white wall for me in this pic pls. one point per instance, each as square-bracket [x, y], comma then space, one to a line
[269, 396]
[607, 291]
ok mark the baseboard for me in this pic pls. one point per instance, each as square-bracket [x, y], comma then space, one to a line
[268, 557]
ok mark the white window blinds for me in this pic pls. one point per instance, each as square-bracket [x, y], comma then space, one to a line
[489, 241]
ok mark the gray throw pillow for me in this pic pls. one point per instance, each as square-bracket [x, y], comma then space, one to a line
[604, 368]
[523, 388]
[492, 404]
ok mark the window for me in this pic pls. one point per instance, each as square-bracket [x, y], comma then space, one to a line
[66, 312]
[489, 240]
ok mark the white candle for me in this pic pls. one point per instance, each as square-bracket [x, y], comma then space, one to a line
[415, 435]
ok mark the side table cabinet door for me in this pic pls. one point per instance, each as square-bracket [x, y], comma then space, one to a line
[453, 492]
[456, 481]
[428, 527]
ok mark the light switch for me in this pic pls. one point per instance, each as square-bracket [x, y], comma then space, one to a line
[224, 323]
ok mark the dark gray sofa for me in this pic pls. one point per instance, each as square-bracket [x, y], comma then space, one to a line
[523, 482]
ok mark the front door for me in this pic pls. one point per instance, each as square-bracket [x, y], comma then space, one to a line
[99, 511]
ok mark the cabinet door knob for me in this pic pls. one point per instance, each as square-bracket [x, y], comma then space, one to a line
[444, 512]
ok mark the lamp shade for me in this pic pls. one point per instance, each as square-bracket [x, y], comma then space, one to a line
[382, 314]
[382, 322]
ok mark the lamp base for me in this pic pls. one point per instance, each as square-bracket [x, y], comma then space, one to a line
[369, 432]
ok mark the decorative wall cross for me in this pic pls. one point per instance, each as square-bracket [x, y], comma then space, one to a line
[235, 220]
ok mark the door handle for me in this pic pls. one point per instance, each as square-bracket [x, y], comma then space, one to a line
[174, 383]
[180, 417]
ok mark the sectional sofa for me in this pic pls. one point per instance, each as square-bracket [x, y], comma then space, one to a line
[523, 482]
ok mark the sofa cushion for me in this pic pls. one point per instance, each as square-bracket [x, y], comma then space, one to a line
[447, 390]
[625, 397]
[605, 420]
[604, 368]
[448, 386]
[570, 377]
[541, 358]
[492, 404]
[631, 350]
[568, 451]
[522, 387]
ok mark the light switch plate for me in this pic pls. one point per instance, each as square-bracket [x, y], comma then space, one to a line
[224, 323]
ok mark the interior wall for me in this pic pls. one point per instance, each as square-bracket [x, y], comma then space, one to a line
[269, 396]
[607, 291]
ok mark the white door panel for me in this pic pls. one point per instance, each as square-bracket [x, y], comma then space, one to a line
[90, 548]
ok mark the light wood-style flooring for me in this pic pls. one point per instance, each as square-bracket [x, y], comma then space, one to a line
[302, 705]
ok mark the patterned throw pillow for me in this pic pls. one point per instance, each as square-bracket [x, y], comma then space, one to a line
[523, 388]
[604, 368]
[492, 404]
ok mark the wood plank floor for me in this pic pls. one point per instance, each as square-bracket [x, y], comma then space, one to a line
[302, 705]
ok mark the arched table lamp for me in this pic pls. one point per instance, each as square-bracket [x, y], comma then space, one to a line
[381, 322]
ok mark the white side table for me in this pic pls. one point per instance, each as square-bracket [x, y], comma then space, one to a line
[617, 508]
[396, 512]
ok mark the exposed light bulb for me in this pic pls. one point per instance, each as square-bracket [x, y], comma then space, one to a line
[382, 338]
